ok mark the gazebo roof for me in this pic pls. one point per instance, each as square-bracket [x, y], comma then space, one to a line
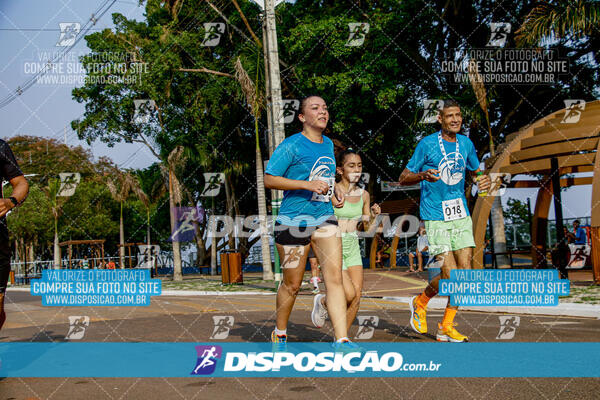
[76, 242]
[572, 136]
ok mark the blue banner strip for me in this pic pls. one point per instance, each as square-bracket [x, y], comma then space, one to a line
[299, 360]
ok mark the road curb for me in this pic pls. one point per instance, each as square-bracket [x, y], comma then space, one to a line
[205, 293]
[563, 309]
[178, 292]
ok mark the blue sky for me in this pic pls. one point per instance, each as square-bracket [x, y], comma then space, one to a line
[29, 31]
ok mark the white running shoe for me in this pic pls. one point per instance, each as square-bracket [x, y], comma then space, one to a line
[319, 312]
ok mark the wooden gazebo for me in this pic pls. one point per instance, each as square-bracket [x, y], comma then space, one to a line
[409, 206]
[97, 248]
[129, 248]
[549, 147]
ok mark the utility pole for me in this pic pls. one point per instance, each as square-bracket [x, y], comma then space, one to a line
[266, 250]
[274, 109]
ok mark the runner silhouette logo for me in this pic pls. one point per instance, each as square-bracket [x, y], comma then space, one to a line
[77, 327]
[293, 255]
[207, 359]
[68, 33]
[573, 111]
[358, 33]
[289, 108]
[508, 326]
[68, 183]
[499, 34]
[222, 326]
[366, 326]
[144, 110]
[212, 33]
[431, 108]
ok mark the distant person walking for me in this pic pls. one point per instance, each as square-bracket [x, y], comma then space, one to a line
[10, 172]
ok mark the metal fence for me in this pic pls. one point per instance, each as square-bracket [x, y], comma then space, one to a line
[33, 269]
[518, 235]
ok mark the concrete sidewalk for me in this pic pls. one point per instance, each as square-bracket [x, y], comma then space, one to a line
[563, 309]
[395, 285]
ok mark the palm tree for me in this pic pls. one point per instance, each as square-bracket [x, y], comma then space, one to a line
[148, 194]
[143, 197]
[499, 232]
[253, 99]
[51, 192]
[559, 19]
[174, 161]
[119, 190]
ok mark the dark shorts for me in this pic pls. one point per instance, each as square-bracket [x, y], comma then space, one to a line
[298, 236]
[4, 255]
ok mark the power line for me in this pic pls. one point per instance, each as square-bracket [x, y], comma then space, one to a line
[36, 29]
[82, 33]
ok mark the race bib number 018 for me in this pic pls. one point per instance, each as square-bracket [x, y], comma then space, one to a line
[453, 209]
[327, 196]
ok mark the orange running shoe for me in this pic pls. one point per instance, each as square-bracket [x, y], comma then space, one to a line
[418, 316]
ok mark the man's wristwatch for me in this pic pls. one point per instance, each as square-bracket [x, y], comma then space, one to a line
[14, 201]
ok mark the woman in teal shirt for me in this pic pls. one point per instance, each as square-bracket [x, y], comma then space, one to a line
[303, 165]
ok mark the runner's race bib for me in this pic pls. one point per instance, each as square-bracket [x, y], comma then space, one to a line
[453, 209]
[327, 196]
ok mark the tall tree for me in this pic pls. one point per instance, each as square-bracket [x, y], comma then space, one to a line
[87, 214]
[51, 193]
[498, 229]
[197, 100]
[253, 98]
[175, 161]
[120, 187]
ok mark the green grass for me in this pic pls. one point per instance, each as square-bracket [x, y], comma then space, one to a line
[588, 295]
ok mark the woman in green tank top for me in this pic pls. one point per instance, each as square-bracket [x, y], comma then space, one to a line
[355, 210]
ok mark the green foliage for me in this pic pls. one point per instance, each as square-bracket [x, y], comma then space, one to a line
[89, 214]
[375, 91]
[560, 19]
[204, 112]
[516, 212]
[33, 219]
[46, 158]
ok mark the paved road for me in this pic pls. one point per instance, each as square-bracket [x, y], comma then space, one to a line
[190, 319]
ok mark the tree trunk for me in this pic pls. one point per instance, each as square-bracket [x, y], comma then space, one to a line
[499, 233]
[31, 256]
[56, 247]
[23, 255]
[148, 243]
[213, 241]
[200, 246]
[177, 275]
[242, 241]
[17, 255]
[262, 215]
[230, 212]
[148, 226]
[121, 240]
